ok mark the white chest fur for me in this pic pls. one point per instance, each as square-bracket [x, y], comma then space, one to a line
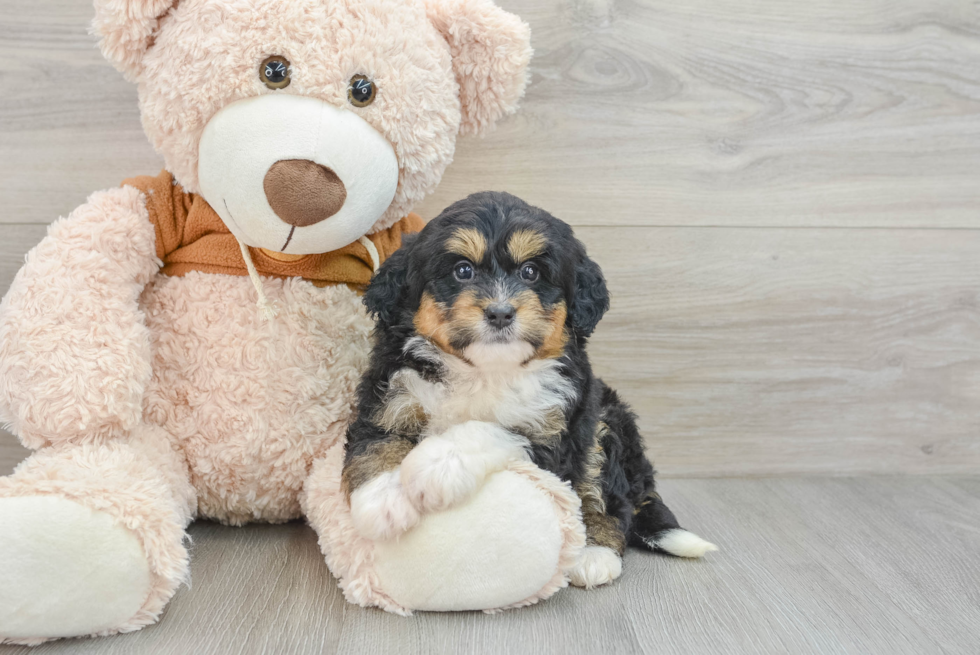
[527, 398]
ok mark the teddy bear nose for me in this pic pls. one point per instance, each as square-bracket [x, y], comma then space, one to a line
[302, 192]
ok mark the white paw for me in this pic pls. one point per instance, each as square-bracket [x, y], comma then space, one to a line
[67, 570]
[380, 509]
[597, 565]
[437, 475]
[682, 543]
[444, 470]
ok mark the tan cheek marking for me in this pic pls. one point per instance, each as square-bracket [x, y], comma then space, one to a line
[530, 314]
[525, 244]
[469, 243]
[441, 326]
[467, 314]
[380, 457]
[554, 343]
[430, 322]
[542, 325]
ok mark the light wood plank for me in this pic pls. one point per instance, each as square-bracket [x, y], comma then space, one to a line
[782, 351]
[652, 112]
[807, 565]
[15, 242]
[789, 351]
[71, 126]
[11, 452]
[912, 541]
[742, 113]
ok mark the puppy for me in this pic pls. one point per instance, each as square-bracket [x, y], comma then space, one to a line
[479, 358]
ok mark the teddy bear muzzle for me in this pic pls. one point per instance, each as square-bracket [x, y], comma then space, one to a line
[302, 192]
[295, 174]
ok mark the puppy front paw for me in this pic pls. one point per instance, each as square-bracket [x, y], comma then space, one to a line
[444, 470]
[380, 508]
[437, 475]
[597, 565]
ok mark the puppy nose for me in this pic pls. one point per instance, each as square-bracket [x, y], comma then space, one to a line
[302, 192]
[500, 315]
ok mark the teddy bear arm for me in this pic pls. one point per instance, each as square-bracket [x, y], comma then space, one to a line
[74, 347]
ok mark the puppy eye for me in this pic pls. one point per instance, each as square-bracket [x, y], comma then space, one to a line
[529, 273]
[274, 72]
[361, 91]
[463, 271]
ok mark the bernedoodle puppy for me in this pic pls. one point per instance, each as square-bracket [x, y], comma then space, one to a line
[479, 357]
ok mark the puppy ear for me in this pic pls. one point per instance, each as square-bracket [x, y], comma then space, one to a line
[591, 299]
[387, 289]
[491, 50]
[126, 29]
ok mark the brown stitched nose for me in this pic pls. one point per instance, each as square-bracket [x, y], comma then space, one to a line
[303, 192]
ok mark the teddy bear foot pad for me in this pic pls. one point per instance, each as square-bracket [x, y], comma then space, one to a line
[68, 570]
[505, 544]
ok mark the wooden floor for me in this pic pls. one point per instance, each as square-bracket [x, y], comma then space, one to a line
[885, 565]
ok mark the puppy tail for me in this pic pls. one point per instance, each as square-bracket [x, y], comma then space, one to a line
[655, 528]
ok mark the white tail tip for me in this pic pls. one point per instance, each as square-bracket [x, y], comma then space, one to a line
[682, 543]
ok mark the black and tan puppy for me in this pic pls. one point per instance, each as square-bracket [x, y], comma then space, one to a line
[480, 357]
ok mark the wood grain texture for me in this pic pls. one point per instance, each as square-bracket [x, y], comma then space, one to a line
[779, 351]
[789, 351]
[716, 112]
[639, 112]
[11, 452]
[15, 242]
[848, 565]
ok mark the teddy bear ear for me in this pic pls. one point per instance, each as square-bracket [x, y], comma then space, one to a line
[126, 28]
[491, 49]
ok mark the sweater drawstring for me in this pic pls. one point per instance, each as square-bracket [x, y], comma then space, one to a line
[372, 251]
[266, 307]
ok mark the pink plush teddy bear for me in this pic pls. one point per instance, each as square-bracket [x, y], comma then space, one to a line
[297, 136]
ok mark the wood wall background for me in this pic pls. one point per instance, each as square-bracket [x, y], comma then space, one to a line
[785, 198]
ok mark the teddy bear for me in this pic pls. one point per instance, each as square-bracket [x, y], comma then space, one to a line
[188, 345]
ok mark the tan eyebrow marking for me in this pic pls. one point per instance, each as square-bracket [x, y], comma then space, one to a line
[525, 244]
[469, 243]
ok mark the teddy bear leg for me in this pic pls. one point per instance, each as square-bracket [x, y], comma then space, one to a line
[508, 545]
[92, 537]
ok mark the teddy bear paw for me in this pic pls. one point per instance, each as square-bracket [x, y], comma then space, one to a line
[67, 570]
[380, 509]
[444, 470]
[597, 565]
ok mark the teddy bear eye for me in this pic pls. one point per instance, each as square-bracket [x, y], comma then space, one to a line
[274, 72]
[361, 91]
